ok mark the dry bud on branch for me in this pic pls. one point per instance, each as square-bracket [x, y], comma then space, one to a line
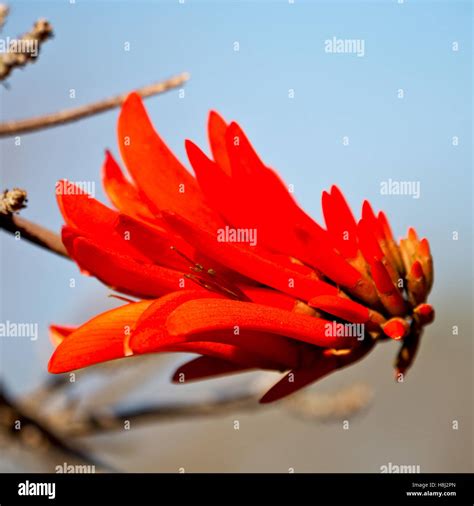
[11, 201]
[24, 50]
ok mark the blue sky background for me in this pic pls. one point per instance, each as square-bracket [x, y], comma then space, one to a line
[407, 46]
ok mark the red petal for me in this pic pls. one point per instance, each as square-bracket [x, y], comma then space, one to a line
[340, 222]
[385, 226]
[417, 270]
[253, 263]
[98, 340]
[151, 333]
[216, 132]
[374, 225]
[91, 218]
[341, 307]
[389, 294]
[382, 280]
[158, 173]
[121, 192]
[396, 328]
[425, 248]
[199, 316]
[59, 332]
[367, 242]
[155, 243]
[228, 352]
[68, 235]
[213, 181]
[125, 274]
[298, 379]
[267, 201]
[270, 297]
[323, 365]
[205, 367]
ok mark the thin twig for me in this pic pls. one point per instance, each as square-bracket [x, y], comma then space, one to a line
[11, 201]
[33, 233]
[60, 118]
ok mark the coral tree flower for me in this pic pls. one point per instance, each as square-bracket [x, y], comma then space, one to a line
[297, 298]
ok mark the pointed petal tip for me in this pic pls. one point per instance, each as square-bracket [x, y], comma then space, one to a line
[425, 247]
[417, 270]
[215, 116]
[54, 367]
[412, 235]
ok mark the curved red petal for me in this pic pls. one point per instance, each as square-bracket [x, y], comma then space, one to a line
[323, 364]
[152, 334]
[122, 193]
[298, 379]
[216, 129]
[367, 241]
[198, 316]
[204, 368]
[150, 330]
[341, 307]
[340, 222]
[125, 274]
[97, 340]
[159, 175]
[92, 219]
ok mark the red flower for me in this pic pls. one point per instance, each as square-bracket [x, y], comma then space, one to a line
[228, 266]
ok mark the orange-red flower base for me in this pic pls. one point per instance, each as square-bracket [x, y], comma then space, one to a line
[228, 266]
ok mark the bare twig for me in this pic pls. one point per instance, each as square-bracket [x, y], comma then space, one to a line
[14, 200]
[25, 49]
[60, 118]
[33, 233]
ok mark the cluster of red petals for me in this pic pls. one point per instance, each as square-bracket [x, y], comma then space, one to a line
[273, 304]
